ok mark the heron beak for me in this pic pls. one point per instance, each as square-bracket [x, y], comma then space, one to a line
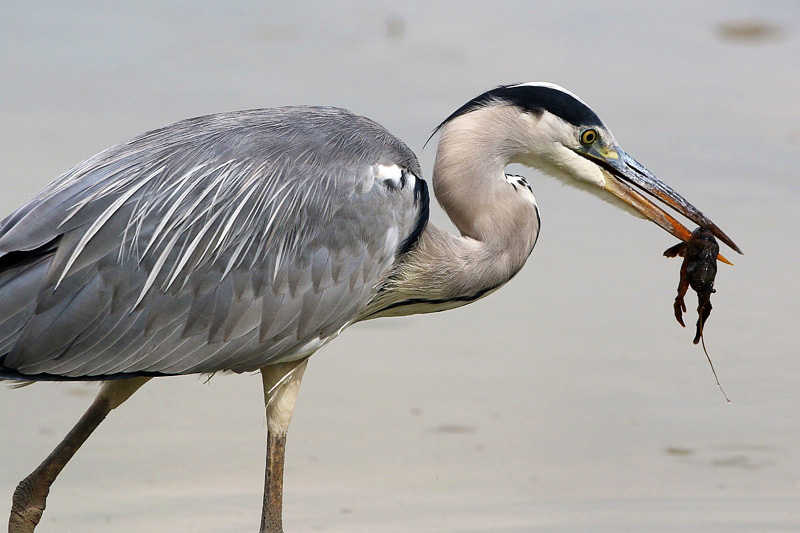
[627, 175]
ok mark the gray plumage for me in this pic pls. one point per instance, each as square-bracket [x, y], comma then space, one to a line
[225, 242]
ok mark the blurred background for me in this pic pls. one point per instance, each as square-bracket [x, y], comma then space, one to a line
[568, 401]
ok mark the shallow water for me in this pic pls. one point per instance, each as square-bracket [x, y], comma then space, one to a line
[569, 400]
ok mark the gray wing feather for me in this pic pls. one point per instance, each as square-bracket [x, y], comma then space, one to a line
[225, 242]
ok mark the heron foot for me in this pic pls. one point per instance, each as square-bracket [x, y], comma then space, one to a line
[27, 504]
[30, 495]
[281, 383]
[272, 513]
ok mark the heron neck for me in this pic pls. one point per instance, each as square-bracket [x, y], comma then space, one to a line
[497, 221]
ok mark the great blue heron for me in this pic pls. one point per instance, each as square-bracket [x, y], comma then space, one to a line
[247, 241]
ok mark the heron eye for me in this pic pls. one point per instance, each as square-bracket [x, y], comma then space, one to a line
[588, 137]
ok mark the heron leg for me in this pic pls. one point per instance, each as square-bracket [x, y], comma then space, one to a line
[29, 498]
[281, 383]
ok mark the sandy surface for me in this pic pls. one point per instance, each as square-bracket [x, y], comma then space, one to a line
[570, 400]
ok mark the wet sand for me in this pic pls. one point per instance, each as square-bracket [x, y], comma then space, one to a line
[569, 400]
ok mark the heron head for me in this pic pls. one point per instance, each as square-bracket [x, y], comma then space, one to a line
[551, 129]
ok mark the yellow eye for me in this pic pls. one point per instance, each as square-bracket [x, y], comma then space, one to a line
[588, 137]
